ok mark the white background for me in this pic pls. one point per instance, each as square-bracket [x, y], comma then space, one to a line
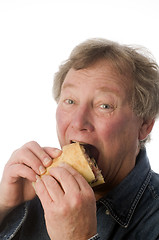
[36, 36]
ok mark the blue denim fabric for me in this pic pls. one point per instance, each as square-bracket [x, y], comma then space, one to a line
[129, 212]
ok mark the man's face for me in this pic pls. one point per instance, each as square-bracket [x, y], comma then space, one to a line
[94, 108]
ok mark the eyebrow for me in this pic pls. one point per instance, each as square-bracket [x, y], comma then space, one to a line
[108, 89]
[102, 89]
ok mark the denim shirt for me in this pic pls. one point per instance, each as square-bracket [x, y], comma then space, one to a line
[129, 212]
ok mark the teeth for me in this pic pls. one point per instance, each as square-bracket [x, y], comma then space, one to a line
[82, 143]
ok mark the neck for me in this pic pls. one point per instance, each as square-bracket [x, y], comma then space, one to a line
[99, 195]
[100, 191]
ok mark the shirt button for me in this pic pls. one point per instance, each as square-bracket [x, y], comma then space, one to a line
[107, 212]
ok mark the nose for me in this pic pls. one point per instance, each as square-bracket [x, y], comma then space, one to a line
[82, 120]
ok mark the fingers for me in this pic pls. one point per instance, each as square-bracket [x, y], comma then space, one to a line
[65, 211]
[53, 187]
[61, 182]
[39, 152]
[45, 154]
[58, 187]
[23, 171]
[68, 176]
[52, 152]
[34, 156]
[26, 157]
[42, 192]
[67, 181]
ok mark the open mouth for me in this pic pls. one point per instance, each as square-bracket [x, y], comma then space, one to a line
[91, 150]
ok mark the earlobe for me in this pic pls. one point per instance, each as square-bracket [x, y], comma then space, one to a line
[145, 129]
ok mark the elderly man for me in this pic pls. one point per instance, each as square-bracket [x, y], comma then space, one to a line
[108, 98]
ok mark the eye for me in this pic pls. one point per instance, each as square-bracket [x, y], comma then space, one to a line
[105, 106]
[69, 101]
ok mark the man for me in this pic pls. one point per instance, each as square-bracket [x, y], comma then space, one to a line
[108, 97]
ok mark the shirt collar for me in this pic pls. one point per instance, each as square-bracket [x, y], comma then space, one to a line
[123, 199]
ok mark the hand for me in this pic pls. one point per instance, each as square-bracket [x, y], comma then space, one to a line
[69, 204]
[19, 173]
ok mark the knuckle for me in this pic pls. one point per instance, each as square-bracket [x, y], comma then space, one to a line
[17, 154]
[64, 209]
[40, 190]
[90, 196]
[62, 173]
[30, 144]
[77, 201]
[15, 151]
[13, 155]
[21, 154]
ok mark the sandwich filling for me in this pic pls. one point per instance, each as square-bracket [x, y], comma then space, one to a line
[91, 155]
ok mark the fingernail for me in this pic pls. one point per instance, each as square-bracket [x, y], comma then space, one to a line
[47, 161]
[42, 170]
[57, 152]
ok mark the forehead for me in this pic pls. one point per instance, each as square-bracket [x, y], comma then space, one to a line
[101, 75]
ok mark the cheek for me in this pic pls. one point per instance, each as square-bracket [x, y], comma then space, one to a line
[115, 129]
[109, 129]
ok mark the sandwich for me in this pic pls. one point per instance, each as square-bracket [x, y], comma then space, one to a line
[75, 154]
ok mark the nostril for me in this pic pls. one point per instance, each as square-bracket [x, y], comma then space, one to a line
[83, 127]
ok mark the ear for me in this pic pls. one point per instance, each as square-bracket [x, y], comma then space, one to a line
[145, 129]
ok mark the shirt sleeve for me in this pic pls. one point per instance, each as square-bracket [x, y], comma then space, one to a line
[95, 237]
[13, 222]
